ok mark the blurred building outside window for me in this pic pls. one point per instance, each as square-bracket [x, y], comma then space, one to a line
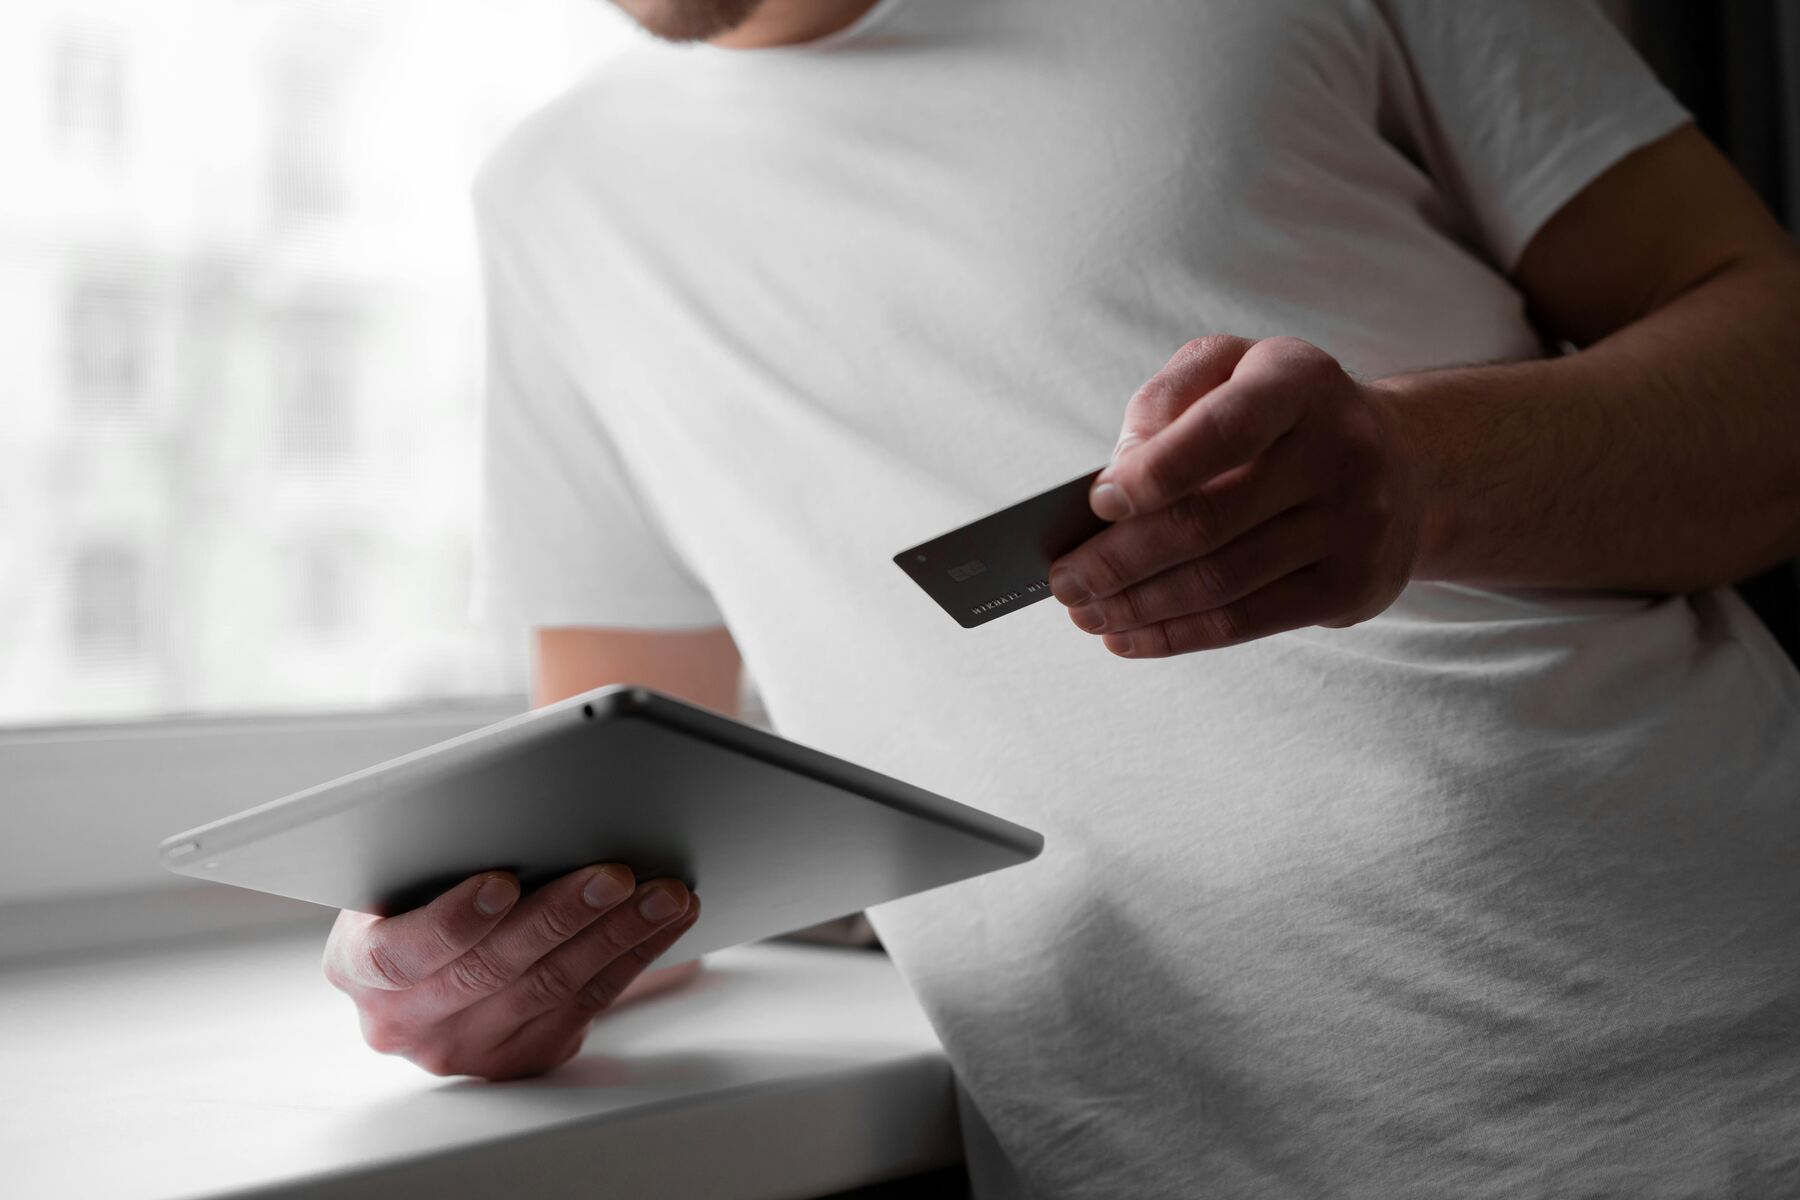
[88, 92]
[106, 608]
[314, 358]
[308, 142]
[107, 324]
[242, 359]
[324, 587]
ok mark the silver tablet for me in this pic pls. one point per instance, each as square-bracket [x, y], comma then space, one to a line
[773, 835]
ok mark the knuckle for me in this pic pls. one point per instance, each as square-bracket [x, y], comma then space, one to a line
[1263, 351]
[385, 970]
[1209, 582]
[1233, 429]
[558, 923]
[1193, 523]
[1296, 350]
[1154, 395]
[1158, 477]
[443, 938]
[624, 928]
[1211, 343]
[1155, 641]
[1153, 405]
[1228, 625]
[1104, 568]
[599, 992]
[1131, 437]
[547, 985]
[1125, 610]
[1320, 366]
[476, 971]
[1302, 349]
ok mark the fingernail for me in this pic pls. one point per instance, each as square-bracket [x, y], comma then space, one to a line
[495, 896]
[1090, 619]
[659, 905]
[1067, 585]
[1119, 643]
[604, 890]
[1109, 503]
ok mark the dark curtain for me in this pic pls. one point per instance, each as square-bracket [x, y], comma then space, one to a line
[1736, 66]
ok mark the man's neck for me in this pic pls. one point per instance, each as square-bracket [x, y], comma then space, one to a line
[792, 22]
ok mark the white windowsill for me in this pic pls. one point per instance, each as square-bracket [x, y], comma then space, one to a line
[228, 1067]
[85, 806]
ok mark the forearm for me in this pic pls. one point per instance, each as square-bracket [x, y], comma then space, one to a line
[1664, 457]
[700, 666]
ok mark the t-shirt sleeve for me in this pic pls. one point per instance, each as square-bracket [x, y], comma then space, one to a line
[1515, 107]
[564, 537]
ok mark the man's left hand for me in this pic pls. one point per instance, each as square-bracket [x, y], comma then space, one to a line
[1256, 487]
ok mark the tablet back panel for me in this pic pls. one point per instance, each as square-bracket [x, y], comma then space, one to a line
[772, 835]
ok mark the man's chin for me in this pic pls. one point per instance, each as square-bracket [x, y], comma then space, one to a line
[688, 20]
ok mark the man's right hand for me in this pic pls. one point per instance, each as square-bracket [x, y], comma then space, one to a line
[480, 982]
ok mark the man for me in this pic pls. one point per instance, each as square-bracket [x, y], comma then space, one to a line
[1421, 810]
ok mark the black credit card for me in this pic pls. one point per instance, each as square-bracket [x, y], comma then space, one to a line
[1001, 563]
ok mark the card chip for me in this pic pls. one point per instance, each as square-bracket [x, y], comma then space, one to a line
[973, 567]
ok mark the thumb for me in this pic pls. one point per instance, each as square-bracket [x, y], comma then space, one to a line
[1196, 369]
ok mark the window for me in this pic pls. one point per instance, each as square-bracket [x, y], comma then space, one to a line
[106, 615]
[315, 386]
[323, 588]
[106, 346]
[307, 151]
[274, 283]
[88, 92]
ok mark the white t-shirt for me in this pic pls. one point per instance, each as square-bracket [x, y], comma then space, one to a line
[1495, 894]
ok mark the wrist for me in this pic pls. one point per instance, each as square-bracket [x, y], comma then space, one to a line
[1404, 404]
